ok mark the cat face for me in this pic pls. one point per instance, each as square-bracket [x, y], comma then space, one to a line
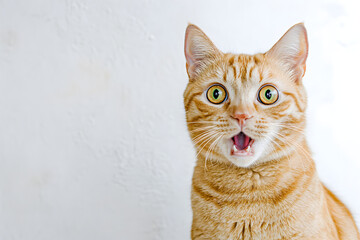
[245, 109]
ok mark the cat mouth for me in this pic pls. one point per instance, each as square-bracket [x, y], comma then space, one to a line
[242, 145]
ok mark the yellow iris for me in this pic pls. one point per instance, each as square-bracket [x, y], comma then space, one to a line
[268, 94]
[216, 94]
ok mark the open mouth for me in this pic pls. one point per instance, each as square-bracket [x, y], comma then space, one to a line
[242, 145]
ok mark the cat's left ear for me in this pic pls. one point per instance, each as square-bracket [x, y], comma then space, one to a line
[291, 51]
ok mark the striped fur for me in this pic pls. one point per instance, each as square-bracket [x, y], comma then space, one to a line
[277, 194]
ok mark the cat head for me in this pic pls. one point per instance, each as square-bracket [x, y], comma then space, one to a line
[245, 109]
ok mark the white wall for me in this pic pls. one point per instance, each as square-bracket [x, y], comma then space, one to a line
[93, 142]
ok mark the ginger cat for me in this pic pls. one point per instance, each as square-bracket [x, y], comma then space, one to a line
[255, 177]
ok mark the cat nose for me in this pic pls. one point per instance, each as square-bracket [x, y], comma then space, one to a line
[241, 117]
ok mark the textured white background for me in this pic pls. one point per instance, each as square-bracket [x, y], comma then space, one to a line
[93, 143]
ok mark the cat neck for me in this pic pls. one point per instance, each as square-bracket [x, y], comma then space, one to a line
[270, 180]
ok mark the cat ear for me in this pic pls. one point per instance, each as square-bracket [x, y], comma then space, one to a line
[291, 51]
[199, 51]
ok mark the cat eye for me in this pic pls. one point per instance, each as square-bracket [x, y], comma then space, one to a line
[216, 94]
[268, 94]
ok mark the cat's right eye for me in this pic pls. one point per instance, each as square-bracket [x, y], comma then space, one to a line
[216, 94]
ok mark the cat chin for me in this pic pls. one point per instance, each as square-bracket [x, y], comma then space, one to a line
[246, 159]
[243, 162]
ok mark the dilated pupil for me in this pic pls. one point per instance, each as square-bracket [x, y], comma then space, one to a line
[268, 94]
[216, 93]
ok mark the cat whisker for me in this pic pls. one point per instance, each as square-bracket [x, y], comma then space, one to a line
[203, 136]
[202, 128]
[295, 145]
[212, 147]
[296, 129]
[273, 141]
[284, 124]
[298, 145]
[205, 143]
[216, 122]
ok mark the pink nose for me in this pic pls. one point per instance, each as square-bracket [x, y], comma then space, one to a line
[241, 117]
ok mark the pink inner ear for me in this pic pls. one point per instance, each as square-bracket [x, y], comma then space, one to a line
[292, 50]
[199, 50]
[188, 54]
[301, 69]
[301, 58]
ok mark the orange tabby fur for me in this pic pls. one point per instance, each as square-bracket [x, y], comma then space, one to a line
[277, 193]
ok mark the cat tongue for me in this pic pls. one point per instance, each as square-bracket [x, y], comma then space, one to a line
[241, 141]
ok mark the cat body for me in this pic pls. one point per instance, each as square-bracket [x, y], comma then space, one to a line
[255, 177]
[265, 202]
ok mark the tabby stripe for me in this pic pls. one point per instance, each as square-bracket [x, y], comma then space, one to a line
[294, 185]
[194, 119]
[234, 71]
[188, 92]
[296, 100]
[257, 59]
[231, 60]
[189, 101]
[244, 73]
[204, 196]
[225, 76]
[251, 71]
[201, 106]
[261, 76]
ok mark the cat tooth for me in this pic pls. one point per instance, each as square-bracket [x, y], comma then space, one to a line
[234, 148]
[247, 149]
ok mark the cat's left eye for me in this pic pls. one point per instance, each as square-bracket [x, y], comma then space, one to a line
[216, 94]
[268, 94]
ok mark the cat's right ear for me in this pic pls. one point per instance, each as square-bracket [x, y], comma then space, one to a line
[199, 51]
